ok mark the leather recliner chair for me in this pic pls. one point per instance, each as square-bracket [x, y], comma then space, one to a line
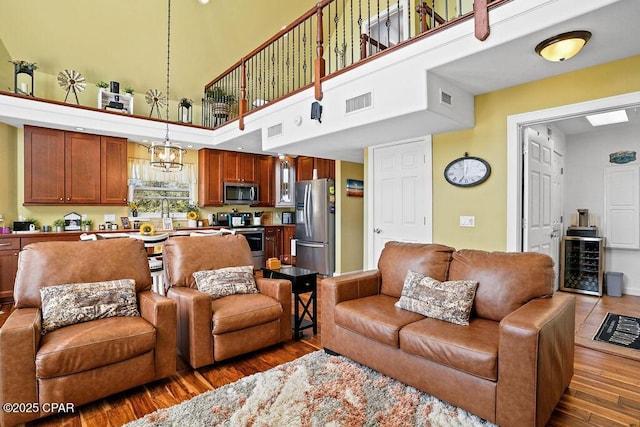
[210, 330]
[82, 362]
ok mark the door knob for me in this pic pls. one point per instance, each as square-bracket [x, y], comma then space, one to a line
[377, 230]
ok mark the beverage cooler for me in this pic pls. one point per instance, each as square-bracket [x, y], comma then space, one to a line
[582, 265]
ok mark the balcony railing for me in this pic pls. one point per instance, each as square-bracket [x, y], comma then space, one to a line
[330, 38]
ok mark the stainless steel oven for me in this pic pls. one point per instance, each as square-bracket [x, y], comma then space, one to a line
[255, 237]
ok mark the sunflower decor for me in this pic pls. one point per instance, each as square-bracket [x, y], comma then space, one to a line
[156, 99]
[72, 81]
[147, 229]
[192, 215]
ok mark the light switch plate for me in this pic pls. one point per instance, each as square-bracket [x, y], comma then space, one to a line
[109, 217]
[467, 221]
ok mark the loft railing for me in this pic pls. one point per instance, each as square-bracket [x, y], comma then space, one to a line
[330, 38]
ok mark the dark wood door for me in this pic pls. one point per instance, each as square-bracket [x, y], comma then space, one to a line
[43, 166]
[113, 171]
[265, 174]
[230, 172]
[9, 249]
[304, 168]
[82, 168]
[210, 177]
[247, 167]
[288, 234]
[270, 247]
[326, 168]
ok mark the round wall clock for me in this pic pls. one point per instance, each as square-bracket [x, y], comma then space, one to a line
[467, 171]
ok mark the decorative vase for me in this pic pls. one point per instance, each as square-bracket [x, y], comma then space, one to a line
[193, 223]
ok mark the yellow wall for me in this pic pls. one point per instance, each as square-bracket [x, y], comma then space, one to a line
[349, 219]
[488, 139]
[8, 168]
[6, 78]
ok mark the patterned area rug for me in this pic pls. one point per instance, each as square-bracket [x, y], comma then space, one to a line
[314, 390]
[620, 330]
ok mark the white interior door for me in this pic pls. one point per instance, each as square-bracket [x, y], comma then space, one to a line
[401, 195]
[541, 197]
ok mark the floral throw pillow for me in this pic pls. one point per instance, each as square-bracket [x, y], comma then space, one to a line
[226, 281]
[64, 305]
[448, 301]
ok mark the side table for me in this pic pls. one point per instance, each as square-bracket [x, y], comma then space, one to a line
[302, 281]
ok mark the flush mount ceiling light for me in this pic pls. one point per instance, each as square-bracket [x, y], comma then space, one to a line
[608, 118]
[167, 155]
[563, 46]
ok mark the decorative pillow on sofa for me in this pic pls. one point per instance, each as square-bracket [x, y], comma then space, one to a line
[226, 281]
[448, 301]
[67, 304]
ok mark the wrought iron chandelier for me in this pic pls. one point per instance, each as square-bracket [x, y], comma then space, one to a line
[167, 155]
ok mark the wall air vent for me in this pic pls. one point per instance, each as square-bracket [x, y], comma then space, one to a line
[357, 103]
[445, 98]
[274, 130]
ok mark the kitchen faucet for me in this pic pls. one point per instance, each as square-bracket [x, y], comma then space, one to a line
[162, 212]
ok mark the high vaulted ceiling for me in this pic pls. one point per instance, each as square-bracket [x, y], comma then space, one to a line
[126, 40]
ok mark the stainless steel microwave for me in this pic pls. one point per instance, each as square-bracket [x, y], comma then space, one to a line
[240, 193]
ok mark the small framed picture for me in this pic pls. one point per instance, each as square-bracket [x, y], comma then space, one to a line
[125, 222]
[167, 224]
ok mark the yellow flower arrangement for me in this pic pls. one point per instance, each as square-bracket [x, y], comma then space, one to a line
[147, 229]
[192, 215]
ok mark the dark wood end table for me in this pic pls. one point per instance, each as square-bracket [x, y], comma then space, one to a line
[302, 281]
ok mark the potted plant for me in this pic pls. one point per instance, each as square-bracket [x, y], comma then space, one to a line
[221, 100]
[192, 214]
[133, 209]
[102, 84]
[128, 90]
[86, 224]
[59, 225]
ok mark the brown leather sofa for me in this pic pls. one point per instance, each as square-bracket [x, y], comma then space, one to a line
[85, 361]
[510, 366]
[210, 330]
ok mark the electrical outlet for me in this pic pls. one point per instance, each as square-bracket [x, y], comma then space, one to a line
[83, 217]
[467, 221]
[109, 217]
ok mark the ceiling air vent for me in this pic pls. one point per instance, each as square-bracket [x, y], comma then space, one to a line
[357, 103]
[445, 98]
[274, 130]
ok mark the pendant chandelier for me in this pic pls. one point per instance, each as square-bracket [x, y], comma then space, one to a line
[167, 155]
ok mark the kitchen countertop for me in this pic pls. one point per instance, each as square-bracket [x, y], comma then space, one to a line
[176, 232]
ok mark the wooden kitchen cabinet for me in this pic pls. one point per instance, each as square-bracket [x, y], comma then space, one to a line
[273, 242]
[73, 168]
[305, 166]
[210, 177]
[288, 234]
[113, 171]
[239, 167]
[43, 166]
[9, 249]
[265, 167]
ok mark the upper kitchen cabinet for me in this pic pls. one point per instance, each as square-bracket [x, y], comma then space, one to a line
[73, 168]
[326, 168]
[239, 167]
[266, 180]
[113, 170]
[210, 168]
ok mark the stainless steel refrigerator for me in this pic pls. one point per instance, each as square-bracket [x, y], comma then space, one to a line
[315, 225]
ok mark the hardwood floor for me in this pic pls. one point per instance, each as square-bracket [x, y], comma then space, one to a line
[605, 390]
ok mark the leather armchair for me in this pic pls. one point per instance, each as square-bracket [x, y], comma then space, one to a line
[86, 361]
[213, 330]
